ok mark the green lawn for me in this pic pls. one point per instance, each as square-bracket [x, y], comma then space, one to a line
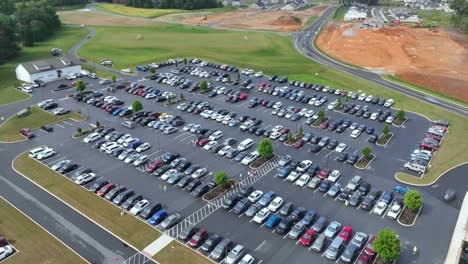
[309, 22]
[178, 253]
[65, 38]
[340, 13]
[37, 118]
[273, 54]
[435, 17]
[136, 12]
[25, 236]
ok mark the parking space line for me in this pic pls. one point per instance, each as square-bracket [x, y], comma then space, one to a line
[182, 134]
[154, 153]
[48, 163]
[67, 123]
[59, 125]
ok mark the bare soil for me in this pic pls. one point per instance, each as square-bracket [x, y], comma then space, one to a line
[262, 20]
[433, 60]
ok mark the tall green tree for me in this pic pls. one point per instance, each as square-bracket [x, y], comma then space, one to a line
[8, 41]
[385, 129]
[203, 85]
[460, 17]
[220, 178]
[401, 114]
[80, 85]
[321, 115]
[387, 244]
[137, 106]
[366, 152]
[413, 200]
[265, 148]
[7, 7]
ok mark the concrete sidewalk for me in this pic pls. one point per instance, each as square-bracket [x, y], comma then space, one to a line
[157, 245]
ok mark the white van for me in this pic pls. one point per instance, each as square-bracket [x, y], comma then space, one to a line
[415, 167]
[26, 89]
[33, 153]
[245, 145]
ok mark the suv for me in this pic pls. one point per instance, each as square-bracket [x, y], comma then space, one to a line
[354, 183]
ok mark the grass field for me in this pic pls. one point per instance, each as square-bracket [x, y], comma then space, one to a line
[136, 12]
[309, 22]
[269, 52]
[178, 253]
[37, 118]
[435, 17]
[339, 14]
[65, 38]
[26, 237]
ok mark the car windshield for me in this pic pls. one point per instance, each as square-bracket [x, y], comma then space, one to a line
[306, 236]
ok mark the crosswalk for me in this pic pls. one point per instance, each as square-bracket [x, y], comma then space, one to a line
[138, 258]
[214, 205]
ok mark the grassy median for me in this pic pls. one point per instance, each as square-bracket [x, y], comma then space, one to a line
[119, 9]
[178, 253]
[9, 131]
[34, 244]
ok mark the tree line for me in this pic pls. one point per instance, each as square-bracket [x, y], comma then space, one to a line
[460, 18]
[25, 23]
[174, 4]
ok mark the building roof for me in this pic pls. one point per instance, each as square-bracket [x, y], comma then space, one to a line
[55, 63]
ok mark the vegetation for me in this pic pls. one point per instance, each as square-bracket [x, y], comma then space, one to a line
[265, 148]
[203, 85]
[290, 138]
[37, 118]
[460, 18]
[220, 178]
[114, 78]
[137, 106]
[174, 4]
[340, 12]
[321, 115]
[435, 17]
[25, 236]
[387, 244]
[413, 200]
[135, 12]
[366, 152]
[385, 129]
[367, 157]
[80, 85]
[178, 253]
[300, 133]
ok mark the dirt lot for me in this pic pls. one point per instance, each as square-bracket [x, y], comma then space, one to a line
[435, 60]
[262, 19]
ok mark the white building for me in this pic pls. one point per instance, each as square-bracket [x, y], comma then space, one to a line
[47, 70]
[356, 13]
[295, 4]
[257, 5]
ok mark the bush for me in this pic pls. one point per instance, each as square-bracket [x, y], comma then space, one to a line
[385, 129]
[321, 115]
[79, 130]
[387, 244]
[220, 178]
[401, 114]
[203, 85]
[265, 148]
[413, 200]
[366, 152]
[137, 106]
[80, 85]
[98, 124]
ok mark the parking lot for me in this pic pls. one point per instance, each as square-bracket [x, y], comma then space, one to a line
[265, 245]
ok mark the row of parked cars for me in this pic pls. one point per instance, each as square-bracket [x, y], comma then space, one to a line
[356, 192]
[312, 230]
[53, 107]
[421, 157]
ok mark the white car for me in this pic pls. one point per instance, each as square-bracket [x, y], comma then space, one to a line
[5, 251]
[85, 178]
[123, 138]
[143, 147]
[394, 211]
[60, 164]
[91, 138]
[255, 196]
[259, 74]
[341, 147]
[261, 216]
[389, 103]
[277, 128]
[334, 176]
[275, 204]
[275, 135]
[210, 145]
[332, 105]
[141, 160]
[70, 77]
[47, 153]
[362, 97]
[304, 165]
[138, 207]
[131, 158]
[224, 150]
[247, 259]
[374, 116]
[41, 104]
[390, 119]
[356, 133]
[303, 180]
[199, 173]
[379, 209]
[309, 113]
[168, 174]
[250, 158]
[277, 105]
[292, 176]
[369, 98]
[216, 135]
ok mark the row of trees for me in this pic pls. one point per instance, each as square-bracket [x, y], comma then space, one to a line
[26, 23]
[174, 4]
[460, 18]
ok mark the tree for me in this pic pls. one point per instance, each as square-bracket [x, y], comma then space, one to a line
[387, 244]
[152, 70]
[321, 115]
[137, 106]
[346, 97]
[80, 85]
[238, 76]
[114, 78]
[98, 124]
[185, 61]
[8, 40]
[401, 114]
[385, 129]
[220, 178]
[203, 85]
[290, 137]
[78, 130]
[181, 96]
[366, 152]
[459, 19]
[265, 148]
[413, 200]
[301, 131]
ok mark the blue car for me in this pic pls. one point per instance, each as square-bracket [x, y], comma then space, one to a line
[158, 217]
[401, 189]
[273, 221]
[309, 217]
[284, 172]
[370, 130]
[117, 111]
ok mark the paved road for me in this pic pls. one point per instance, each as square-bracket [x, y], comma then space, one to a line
[303, 42]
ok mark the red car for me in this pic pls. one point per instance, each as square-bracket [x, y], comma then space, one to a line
[433, 137]
[346, 233]
[26, 132]
[141, 86]
[154, 165]
[198, 238]
[284, 131]
[127, 88]
[306, 239]
[369, 249]
[428, 147]
[203, 142]
[323, 174]
[324, 125]
[228, 99]
[363, 259]
[299, 144]
[243, 96]
[105, 189]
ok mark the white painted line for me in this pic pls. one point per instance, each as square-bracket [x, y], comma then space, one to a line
[154, 153]
[182, 134]
[59, 125]
[48, 163]
[67, 123]
[61, 99]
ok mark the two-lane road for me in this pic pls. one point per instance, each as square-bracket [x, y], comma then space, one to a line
[304, 43]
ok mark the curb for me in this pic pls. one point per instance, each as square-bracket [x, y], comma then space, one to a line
[272, 158]
[400, 125]
[414, 220]
[384, 145]
[367, 165]
[434, 181]
[208, 201]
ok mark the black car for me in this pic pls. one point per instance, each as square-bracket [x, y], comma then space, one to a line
[286, 209]
[211, 242]
[169, 157]
[352, 159]
[149, 210]
[131, 201]
[298, 213]
[47, 128]
[200, 190]
[372, 138]
[324, 186]
[68, 168]
[160, 171]
[50, 106]
[230, 202]
[364, 188]
[315, 148]
[241, 206]
[355, 199]
[371, 199]
[342, 157]
[188, 232]
[97, 185]
[245, 191]
[284, 225]
[192, 185]
[344, 195]
[185, 181]
[332, 145]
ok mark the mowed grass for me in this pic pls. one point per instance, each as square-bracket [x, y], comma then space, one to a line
[65, 38]
[178, 253]
[309, 22]
[435, 17]
[119, 9]
[126, 227]
[38, 117]
[34, 244]
[340, 13]
[273, 54]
